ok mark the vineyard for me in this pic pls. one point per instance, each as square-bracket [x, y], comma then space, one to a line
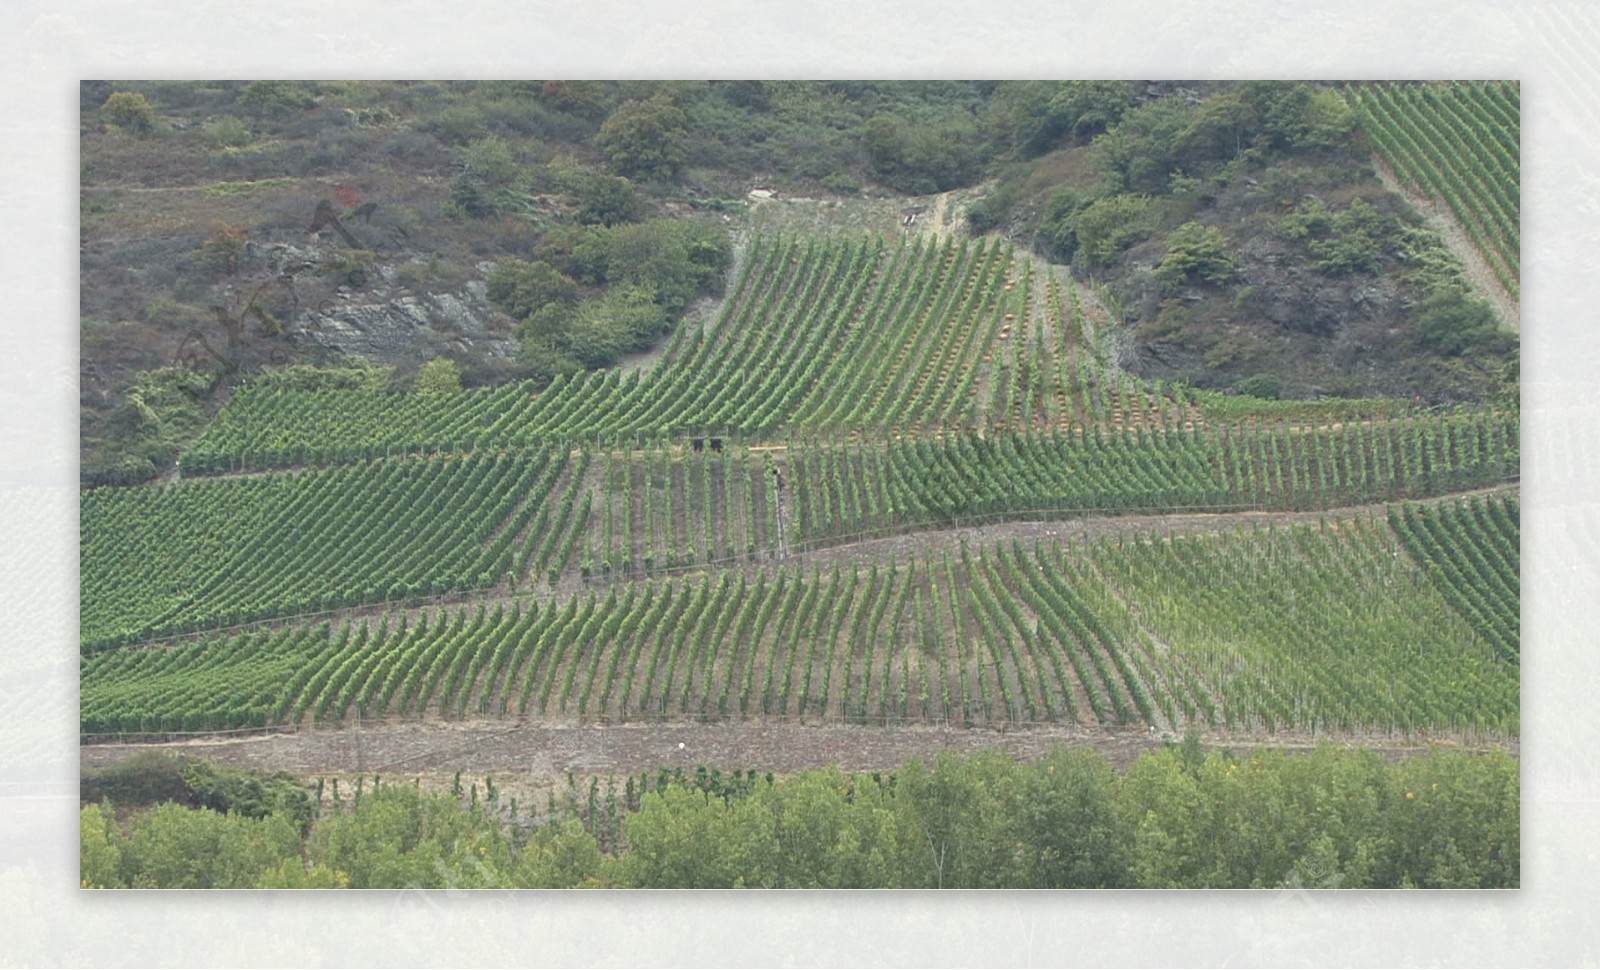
[854, 337]
[171, 560]
[1471, 551]
[216, 553]
[1303, 627]
[656, 544]
[1458, 143]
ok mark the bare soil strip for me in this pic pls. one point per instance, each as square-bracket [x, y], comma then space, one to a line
[543, 752]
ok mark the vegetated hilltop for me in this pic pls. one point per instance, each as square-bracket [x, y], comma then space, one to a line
[538, 229]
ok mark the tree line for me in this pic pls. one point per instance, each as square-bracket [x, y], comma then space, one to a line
[1179, 817]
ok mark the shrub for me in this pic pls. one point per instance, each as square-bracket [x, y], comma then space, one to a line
[1350, 241]
[1107, 227]
[1057, 236]
[438, 376]
[520, 288]
[274, 99]
[223, 251]
[608, 201]
[460, 125]
[226, 132]
[1264, 386]
[1454, 322]
[130, 111]
[1195, 251]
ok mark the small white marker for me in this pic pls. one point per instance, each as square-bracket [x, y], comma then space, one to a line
[680, 745]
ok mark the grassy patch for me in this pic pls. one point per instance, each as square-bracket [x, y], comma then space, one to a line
[241, 188]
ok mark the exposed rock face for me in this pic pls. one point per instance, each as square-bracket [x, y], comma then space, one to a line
[385, 320]
[407, 328]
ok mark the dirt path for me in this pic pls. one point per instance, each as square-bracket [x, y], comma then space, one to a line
[937, 224]
[541, 753]
[1444, 221]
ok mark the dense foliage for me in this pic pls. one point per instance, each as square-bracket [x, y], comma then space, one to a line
[1176, 818]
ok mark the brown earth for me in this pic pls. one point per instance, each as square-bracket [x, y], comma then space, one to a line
[541, 754]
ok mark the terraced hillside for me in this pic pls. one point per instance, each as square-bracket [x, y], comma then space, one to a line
[679, 543]
[1304, 627]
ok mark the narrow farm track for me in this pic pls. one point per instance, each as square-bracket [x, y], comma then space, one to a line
[544, 752]
[1472, 259]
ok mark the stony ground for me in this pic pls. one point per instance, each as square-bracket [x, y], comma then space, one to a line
[538, 755]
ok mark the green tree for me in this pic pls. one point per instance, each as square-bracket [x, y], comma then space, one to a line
[1140, 152]
[1036, 116]
[627, 318]
[677, 260]
[1163, 810]
[562, 855]
[648, 138]
[1294, 115]
[920, 159]
[586, 99]
[1065, 818]
[1453, 822]
[952, 817]
[99, 848]
[399, 837]
[489, 179]
[799, 834]
[1057, 235]
[1356, 242]
[172, 847]
[491, 160]
[294, 874]
[543, 360]
[679, 839]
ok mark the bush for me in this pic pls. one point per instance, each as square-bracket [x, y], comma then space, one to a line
[438, 376]
[130, 111]
[1349, 241]
[920, 160]
[274, 99]
[607, 200]
[1107, 227]
[226, 132]
[1057, 236]
[1195, 251]
[1265, 386]
[1036, 116]
[459, 126]
[223, 251]
[1453, 322]
[520, 288]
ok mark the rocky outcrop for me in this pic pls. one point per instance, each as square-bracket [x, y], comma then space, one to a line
[382, 317]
